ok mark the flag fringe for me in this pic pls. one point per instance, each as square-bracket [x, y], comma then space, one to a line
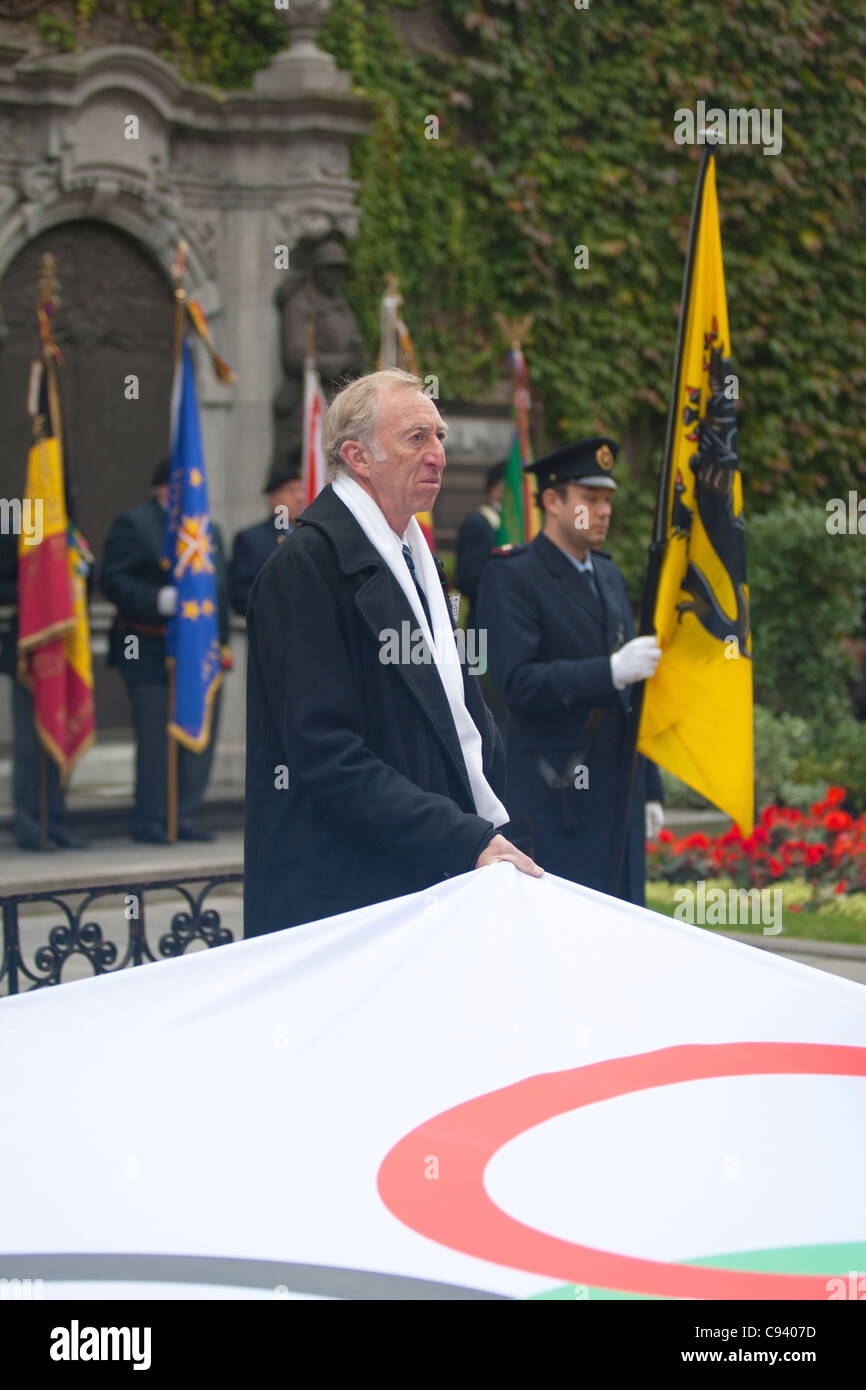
[222, 371]
[185, 739]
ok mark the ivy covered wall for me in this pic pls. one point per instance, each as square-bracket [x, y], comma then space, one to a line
[555, 129]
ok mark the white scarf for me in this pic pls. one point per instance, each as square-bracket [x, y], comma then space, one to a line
[441, 642]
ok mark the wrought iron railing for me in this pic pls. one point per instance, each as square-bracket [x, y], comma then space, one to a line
[77, 934]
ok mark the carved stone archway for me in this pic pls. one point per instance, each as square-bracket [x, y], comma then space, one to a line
[116, 139]
[115, 332]
[115, 323]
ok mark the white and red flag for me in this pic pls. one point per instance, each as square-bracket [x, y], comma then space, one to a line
[313, 460]
[609, 1103]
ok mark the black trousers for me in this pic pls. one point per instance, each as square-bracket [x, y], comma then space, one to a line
[25, 772]
[149, 704]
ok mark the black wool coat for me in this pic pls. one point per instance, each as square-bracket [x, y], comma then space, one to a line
[356, 788]
[548, 649]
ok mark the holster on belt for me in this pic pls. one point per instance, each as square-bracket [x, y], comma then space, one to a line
[562, 783]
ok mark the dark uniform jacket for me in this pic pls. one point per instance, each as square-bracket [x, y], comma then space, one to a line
[252, 547]
[378, 802]
[475, 540]
[549, 644]
[132, 576]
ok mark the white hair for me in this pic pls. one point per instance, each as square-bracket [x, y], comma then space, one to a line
[354, 414]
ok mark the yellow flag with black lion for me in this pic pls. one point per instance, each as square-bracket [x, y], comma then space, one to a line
[697, 717]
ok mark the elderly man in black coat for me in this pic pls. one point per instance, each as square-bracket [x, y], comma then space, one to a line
[563, 655]
[372, 761]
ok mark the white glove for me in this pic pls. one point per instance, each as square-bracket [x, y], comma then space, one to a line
[655, 819]
[166, 601]
[636, 661]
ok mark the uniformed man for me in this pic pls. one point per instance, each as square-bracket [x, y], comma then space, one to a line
[563, 655]
[477, 538]
[133, 578]
[284, 490]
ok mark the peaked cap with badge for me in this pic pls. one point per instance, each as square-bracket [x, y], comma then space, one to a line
[588, 462]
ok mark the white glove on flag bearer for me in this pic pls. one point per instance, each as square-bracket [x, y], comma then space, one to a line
[166, 601]
[636, 661]
[654, 819]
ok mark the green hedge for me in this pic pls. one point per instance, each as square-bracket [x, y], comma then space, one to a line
[808, 591]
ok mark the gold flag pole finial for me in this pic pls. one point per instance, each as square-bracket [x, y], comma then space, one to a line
[396, 348]
[515, 331]
[48, 301]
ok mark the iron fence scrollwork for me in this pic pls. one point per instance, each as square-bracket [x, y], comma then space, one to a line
[78, 933]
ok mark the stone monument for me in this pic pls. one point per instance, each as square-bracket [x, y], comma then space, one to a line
[314, 315]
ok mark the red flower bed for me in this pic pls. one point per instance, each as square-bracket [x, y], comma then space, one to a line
[825, 845]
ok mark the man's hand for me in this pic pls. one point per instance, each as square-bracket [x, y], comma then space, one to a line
[636, 661]
[655, 818]
[502, 849]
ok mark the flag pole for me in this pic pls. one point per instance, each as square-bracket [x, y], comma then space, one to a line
[178, 271]
[307, 468]
[310, 320]
[658, 544]
[514, 332]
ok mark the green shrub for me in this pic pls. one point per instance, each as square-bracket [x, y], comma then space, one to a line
[807, 592]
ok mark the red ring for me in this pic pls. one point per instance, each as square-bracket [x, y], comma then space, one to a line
[456, 1211]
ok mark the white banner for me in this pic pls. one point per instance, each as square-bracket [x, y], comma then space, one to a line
[501, 1086]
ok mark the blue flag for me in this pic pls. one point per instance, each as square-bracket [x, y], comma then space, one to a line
[192, 635]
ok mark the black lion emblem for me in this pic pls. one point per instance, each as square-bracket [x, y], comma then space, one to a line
[714, 466]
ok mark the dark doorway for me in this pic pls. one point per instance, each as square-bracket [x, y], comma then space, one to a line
[115, 321]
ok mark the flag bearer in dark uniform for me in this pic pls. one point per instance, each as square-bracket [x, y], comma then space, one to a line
[477, 537]
[563, 655]
[133, 578]
[255, 544]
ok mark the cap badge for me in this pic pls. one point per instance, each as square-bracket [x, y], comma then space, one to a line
[604, 458]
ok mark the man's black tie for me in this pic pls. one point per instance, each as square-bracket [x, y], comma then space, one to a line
[407, 556]
[589, 576]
